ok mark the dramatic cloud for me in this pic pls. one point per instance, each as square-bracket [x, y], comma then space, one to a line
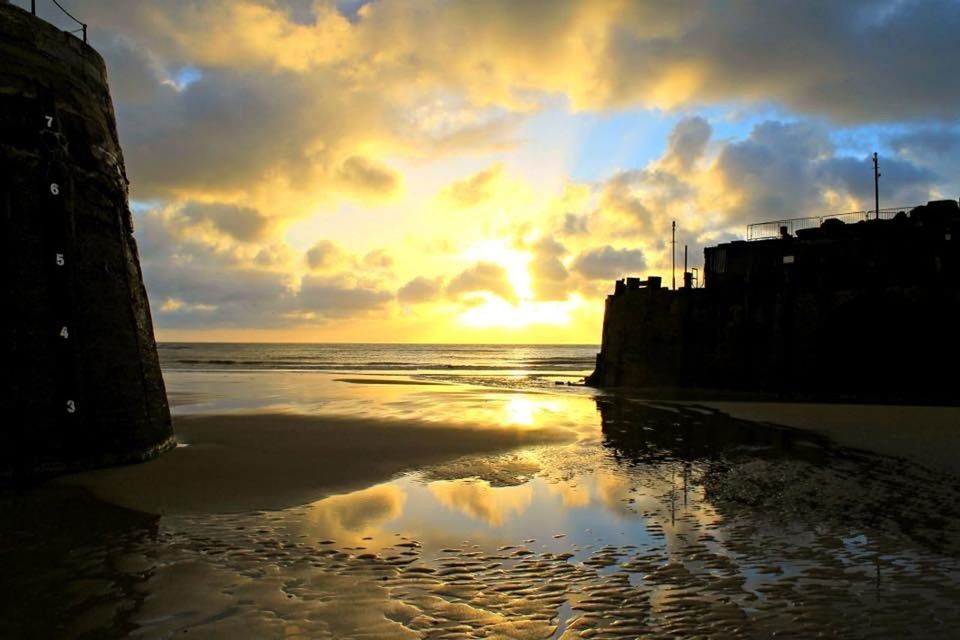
[297, 161]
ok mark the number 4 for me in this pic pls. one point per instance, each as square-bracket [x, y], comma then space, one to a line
[64, 333]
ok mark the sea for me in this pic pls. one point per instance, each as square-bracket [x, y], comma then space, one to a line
[510, 365]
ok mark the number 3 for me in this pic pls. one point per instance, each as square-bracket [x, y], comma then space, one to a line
[71, 406]
[54, 188]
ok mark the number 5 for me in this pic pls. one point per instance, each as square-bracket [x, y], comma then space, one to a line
[60, 260]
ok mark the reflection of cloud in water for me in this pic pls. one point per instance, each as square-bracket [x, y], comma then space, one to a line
[478, 500]
[357, 514]
[613, 490]
[572, 495]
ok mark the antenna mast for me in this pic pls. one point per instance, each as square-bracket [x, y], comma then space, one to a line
[876, 185]
[673, 251]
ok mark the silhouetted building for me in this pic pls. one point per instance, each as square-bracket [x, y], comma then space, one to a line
[866, 310]
[82, 383]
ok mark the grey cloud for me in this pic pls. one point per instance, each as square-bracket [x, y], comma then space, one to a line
[851, 61]
[325, 255]
[901, 183]
[241, 223]
[331, 297]
[607, 263]
[783, 169]
[688, 140]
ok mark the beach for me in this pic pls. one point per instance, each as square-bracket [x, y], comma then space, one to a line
[477, 501]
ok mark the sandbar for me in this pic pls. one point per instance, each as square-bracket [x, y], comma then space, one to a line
[247, 462]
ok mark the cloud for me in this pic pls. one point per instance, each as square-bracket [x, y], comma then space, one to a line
[482, 277]
[687, 142]
[420, 290]
[549, 274]
[240, 223]
[791, 169]
[325, 256]
[378, 259]
[607, 263]
[476, 189]
[367, 177]
[336, 298]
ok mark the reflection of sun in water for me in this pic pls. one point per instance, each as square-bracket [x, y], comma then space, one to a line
[528, 412]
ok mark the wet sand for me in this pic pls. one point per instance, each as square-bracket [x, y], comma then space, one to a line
[927, 435]
[248, 462]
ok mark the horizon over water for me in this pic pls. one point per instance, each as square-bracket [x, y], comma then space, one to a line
[515, 365]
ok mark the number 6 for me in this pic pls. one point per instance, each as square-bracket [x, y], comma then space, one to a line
[54, 188]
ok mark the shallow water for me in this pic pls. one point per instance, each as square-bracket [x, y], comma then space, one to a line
[651, 520]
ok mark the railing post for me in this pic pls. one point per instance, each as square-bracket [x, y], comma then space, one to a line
[84, 33]
[33, 7]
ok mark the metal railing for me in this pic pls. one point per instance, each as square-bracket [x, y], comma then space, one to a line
[767, 230]
[83, 25]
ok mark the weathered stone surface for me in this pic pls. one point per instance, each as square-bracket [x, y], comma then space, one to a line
[866, 311]
[82, 381]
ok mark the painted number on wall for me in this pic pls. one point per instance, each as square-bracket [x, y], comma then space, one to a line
[54, 188]
[49, 120]
[60, 260]
[64, 333]
[71, 406]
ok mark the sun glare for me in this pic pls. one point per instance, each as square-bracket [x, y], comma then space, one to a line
[513, 261]
[496, 312]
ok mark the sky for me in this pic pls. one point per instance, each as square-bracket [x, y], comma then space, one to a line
[482, 172]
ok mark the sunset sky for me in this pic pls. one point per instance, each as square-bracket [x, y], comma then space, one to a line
[481, 171]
